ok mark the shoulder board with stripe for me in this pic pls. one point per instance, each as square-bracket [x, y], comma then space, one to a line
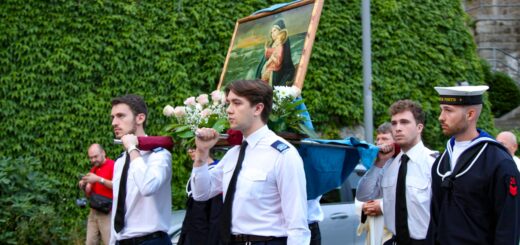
[158, 149]
[280, 146]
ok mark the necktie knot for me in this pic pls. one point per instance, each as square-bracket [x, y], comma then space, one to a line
[404, 159]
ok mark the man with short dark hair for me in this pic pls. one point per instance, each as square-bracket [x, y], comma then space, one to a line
[262, 181]
[141, 210]
[474, 182]
[404, 180]
[98, 182]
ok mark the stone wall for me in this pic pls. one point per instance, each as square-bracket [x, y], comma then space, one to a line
[497, 33]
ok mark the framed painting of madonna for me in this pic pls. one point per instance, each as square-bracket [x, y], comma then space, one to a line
[273, 45]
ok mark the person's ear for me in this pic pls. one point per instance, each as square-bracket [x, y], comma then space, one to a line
[140, 118]
[420, 127]
[259, 108]
[471, 114]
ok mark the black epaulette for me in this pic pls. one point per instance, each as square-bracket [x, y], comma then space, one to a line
[280, 146]
[435, 154]
[158, 149]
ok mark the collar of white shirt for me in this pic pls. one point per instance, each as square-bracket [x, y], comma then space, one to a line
[415, 153]
[256, 136]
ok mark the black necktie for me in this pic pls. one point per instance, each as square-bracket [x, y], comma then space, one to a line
[225, 218]
[401, 212]
[119, 220]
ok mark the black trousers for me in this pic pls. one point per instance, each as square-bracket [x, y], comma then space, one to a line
[315, 233]
[278, 241]
[392, 241]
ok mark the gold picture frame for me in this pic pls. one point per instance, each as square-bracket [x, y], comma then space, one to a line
[262, 42]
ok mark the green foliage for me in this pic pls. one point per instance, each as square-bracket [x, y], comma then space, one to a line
[61, 62]
[28, 197]
[415, 46]
[503, 91]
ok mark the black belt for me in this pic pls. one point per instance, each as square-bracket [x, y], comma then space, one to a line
[253, 238]
[139, 240]
[313, 225]
[412, 241]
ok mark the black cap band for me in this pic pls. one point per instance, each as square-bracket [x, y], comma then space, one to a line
[460, 100]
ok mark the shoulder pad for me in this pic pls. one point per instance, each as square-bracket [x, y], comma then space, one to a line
[158, 149]
[120, 155]
[435, 154]
[280, 146]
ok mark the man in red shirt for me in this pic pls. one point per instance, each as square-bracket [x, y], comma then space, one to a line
[98, 182]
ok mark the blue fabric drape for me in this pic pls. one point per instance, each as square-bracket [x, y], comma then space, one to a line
[328, 167]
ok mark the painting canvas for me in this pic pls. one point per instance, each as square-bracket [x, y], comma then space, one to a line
[273, 46]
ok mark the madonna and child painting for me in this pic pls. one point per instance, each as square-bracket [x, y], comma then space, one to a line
[273, 46]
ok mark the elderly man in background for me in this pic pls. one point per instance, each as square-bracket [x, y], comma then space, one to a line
[508, 139]
[371, 212]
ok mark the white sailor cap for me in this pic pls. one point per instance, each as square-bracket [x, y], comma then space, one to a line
[461, 95]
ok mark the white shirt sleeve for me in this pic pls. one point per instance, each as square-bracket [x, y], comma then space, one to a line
[150, 176]
[369, 187]
[292, 188]
[206, 183]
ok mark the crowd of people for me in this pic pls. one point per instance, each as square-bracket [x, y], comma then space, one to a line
[256, 194]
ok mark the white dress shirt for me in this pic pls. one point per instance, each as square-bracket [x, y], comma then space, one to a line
[148, 194]
[517, 161]
[270, 197]
[314, 211]
[381, 182]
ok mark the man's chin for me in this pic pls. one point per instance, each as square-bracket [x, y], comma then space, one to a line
[447, 132]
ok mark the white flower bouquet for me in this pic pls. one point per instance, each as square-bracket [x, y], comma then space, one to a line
[199, 112]
[287, 114]
[196, 113]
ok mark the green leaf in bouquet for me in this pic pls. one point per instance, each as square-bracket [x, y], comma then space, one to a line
[220, 125]
[182, 128]
[186, 135]
[170, 127]
[311, 133]
[294, 104]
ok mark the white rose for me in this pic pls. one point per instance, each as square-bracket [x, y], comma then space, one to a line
[203, 99]
[205, 113]
[296, 91]
[168, 111]
[216, 96]
[179, 111]
[190, 101]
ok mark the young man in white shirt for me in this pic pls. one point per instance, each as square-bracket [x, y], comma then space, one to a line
[403, 181]
[262, 181]
[141, 210]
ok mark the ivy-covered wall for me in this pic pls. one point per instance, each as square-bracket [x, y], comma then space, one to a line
[62, 61]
